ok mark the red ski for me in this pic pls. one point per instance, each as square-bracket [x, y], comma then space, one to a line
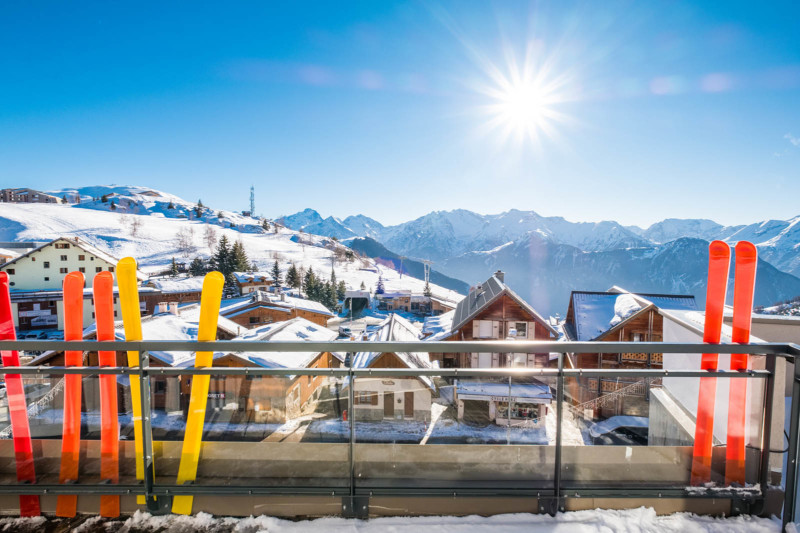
[718, 265]
[103, 287]
[743, 288]
[67, 504]
[17, 407]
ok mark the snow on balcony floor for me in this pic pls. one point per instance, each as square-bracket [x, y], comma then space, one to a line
[642, 520]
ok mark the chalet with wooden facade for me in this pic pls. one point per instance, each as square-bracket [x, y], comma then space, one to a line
[400, 398]
[616, 316]
[270, 399]
[249, 282]
[264, 308]
[492, 311]
[180, 290]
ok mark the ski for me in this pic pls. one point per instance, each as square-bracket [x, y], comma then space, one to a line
[132, 322]
[192, 439]
[67, 504]
[103, 288]
[17, 407]
[718, 265]
[746, 259]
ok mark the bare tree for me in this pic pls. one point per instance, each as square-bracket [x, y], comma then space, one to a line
[184, 241]
[210, 236]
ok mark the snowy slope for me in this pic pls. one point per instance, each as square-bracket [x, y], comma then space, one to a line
[153, 242]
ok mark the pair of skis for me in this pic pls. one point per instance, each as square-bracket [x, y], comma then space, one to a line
[746, 259]
[103, 289]
[207, 331]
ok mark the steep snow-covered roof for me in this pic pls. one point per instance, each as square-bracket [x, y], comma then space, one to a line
[438, 327]
[296, 329]
[173, 285]
[261, 298]
[249, 277]
[596, 313]
[479, 299]
[396, 329]
[535, 392]
[695, 320]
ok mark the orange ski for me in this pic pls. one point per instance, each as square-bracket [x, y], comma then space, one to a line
[718, 265]
[67, 504]
[109, 418]
[744, 286]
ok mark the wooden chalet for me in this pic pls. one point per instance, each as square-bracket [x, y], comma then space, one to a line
[492, 311]
[402, 398]
[264, 308]
[249, 282]
[616, 316]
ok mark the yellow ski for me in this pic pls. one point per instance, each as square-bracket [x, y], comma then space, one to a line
[132, 322]
[192, 439]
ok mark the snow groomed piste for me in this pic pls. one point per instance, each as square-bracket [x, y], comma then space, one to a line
[719, 261]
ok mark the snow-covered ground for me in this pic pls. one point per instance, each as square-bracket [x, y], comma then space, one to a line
[144, 227]
[642, 520]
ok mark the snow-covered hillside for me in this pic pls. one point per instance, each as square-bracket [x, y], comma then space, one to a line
[143, 227]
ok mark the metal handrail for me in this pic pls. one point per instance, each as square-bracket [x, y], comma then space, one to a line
[553, 495]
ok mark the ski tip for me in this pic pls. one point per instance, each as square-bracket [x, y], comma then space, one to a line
[182, 504]
[103, 280]
[74, 280]
[4, 278]
[719, 249]
[746, 250]
[126, 264]
[214, 278]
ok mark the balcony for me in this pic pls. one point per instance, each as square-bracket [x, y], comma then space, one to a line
[318, 446]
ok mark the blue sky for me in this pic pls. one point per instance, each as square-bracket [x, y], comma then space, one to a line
[653, 109]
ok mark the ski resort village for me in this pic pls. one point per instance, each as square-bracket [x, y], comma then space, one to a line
[397, 358]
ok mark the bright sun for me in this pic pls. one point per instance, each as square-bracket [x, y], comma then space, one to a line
[523, 100]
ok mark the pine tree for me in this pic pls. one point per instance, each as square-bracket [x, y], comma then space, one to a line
[341, 291]
[293, 277]
[173, 268]
[171, 205]
[363, 287]
[329, 296]
[239, 260]
[104, 198]
[197, 267]
[379, 289]
[64, 198]
[427, 290]
[200, 204]
[113, 206]
[310, 284]
[276, 274]
[265, 225]
[220, 261]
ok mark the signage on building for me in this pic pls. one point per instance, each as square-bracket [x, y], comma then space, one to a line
[35, 313]
[216, 395]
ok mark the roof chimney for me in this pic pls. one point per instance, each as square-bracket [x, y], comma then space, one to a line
[500, 275]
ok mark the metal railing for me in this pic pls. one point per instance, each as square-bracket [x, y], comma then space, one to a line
[551, 495]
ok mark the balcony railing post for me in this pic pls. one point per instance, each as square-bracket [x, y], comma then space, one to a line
[555, 504]
[147, 432]
[766, 433]
[790, 494]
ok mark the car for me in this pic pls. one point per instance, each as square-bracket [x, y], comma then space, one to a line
[620, 430]
[345, 331]
[31, 336]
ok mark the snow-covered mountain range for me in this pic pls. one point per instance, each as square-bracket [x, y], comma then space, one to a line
[547, 257]
[150, 225]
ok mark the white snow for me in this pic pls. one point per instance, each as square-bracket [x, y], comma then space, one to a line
[641, 520]
[624, 306]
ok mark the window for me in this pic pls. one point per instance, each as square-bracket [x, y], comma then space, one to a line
[63, 257]
[10, 271]
[159, 386]
[47, 264]
[366, 398]
[111, 269]
[81, 258]
[12, 283]
[254, 320]
[33, 259]
[62, 245]
[522, 329]
[63, 270]
[51, 303]
[98, 269]
[81, 269]
[46, 278]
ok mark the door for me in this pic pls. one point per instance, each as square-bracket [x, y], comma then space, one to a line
[408, 405]
[388, 405]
